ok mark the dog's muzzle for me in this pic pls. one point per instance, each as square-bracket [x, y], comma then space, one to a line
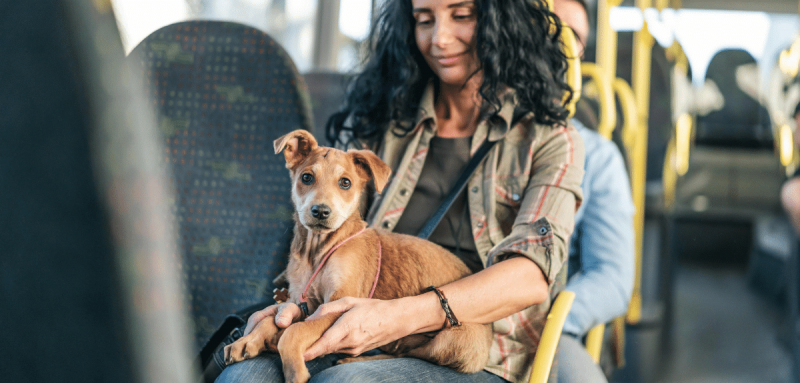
[321, 212]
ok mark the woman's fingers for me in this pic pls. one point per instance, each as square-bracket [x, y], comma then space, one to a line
[358, 329]
[287, 313]
[337, 306]
[330, 342]
[257, 317]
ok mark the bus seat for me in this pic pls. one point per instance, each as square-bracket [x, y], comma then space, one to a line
[223, 93]
[327, 90]
[86, 292]
[742, 122]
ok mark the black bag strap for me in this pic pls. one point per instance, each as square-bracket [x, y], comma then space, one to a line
[461, 183]
[232, 322]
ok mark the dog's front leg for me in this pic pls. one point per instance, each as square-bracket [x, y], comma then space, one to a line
[296, 340]
[264, 337]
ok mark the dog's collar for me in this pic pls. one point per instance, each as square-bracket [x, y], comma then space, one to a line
[303, 299]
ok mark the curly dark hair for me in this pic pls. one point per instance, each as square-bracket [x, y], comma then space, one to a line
[518, 45]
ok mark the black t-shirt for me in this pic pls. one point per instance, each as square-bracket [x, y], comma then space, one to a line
[444, 163]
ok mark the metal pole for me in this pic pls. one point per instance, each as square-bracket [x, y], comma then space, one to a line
[606, 39]
[326, 36]
[642, 58]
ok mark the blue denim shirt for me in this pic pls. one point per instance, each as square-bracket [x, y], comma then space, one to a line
[601, 260]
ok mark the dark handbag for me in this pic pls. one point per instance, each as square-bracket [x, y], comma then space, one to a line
[212, 358]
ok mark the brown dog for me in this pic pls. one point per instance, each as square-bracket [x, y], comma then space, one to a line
[327, 185]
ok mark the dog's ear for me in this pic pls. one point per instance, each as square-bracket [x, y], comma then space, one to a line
[374, 166]
[296, 146]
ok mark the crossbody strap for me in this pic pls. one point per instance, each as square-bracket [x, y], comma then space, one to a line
[473, 163]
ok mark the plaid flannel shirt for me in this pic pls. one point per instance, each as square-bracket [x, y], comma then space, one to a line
[522, 201]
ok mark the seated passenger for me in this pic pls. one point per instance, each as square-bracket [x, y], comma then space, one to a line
[443, 76]
[601, 260]
[790, 194]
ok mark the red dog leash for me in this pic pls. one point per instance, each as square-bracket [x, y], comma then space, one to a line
[304, 302]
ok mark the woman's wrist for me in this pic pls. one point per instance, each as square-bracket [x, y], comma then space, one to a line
[421, 313]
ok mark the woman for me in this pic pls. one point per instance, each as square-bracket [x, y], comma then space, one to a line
[444, 76]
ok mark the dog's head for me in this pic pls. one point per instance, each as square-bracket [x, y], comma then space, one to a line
[327, 183]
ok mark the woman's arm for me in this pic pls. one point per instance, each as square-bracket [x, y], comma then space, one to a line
[491, 294]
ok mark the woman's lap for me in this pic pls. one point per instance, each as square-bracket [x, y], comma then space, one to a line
[267, 368]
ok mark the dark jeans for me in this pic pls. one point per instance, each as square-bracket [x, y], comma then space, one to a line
[267, 368]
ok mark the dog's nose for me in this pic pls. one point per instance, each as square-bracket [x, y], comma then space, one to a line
[320, 211]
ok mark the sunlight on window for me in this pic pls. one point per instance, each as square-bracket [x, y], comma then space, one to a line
[704, 33]
[701, 33]
[354, 18]
[137, 19]
[300, 10]
[626, 19]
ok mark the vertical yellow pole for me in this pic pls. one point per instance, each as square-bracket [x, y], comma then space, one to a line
[642, 58]
[606, 39]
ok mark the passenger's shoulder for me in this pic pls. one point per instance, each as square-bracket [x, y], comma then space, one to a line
[595, 144]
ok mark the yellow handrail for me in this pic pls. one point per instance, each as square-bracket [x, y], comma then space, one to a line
[669, 177]
[594, 341]
[642, 58]
[608, 113]
[683, 143]
[618, 334]
[546, 351]
[630, 117]
[606, 50]
[574, 78]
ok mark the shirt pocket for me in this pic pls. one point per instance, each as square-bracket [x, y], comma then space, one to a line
[508, 196]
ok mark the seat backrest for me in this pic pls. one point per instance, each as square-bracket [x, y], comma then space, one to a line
[223, 93]
[742, 122]
[327, 91]
[86, 293]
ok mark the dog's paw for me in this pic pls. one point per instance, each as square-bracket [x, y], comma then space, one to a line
[280, 295]
[264, 337]
[244, 348]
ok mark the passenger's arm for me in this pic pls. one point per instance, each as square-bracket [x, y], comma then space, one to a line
[604, 284]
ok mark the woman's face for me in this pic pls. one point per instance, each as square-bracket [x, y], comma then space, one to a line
[445, 34]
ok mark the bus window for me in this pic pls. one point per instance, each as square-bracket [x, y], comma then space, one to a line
[318, 35]
[290, 22]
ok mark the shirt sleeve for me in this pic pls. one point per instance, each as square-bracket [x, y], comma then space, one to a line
[604, 283]
[547, 212]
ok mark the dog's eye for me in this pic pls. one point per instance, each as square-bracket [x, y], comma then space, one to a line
[344, 183]
[307, 179]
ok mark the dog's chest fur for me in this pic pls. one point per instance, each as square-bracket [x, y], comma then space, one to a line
[308, 250]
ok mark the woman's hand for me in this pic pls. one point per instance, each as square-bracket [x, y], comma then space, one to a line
[365, 324]
[261, 334]
[285, 314]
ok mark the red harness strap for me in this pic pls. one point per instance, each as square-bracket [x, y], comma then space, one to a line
[304, 301]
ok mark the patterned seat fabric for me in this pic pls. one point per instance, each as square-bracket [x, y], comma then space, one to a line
[224, 92]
